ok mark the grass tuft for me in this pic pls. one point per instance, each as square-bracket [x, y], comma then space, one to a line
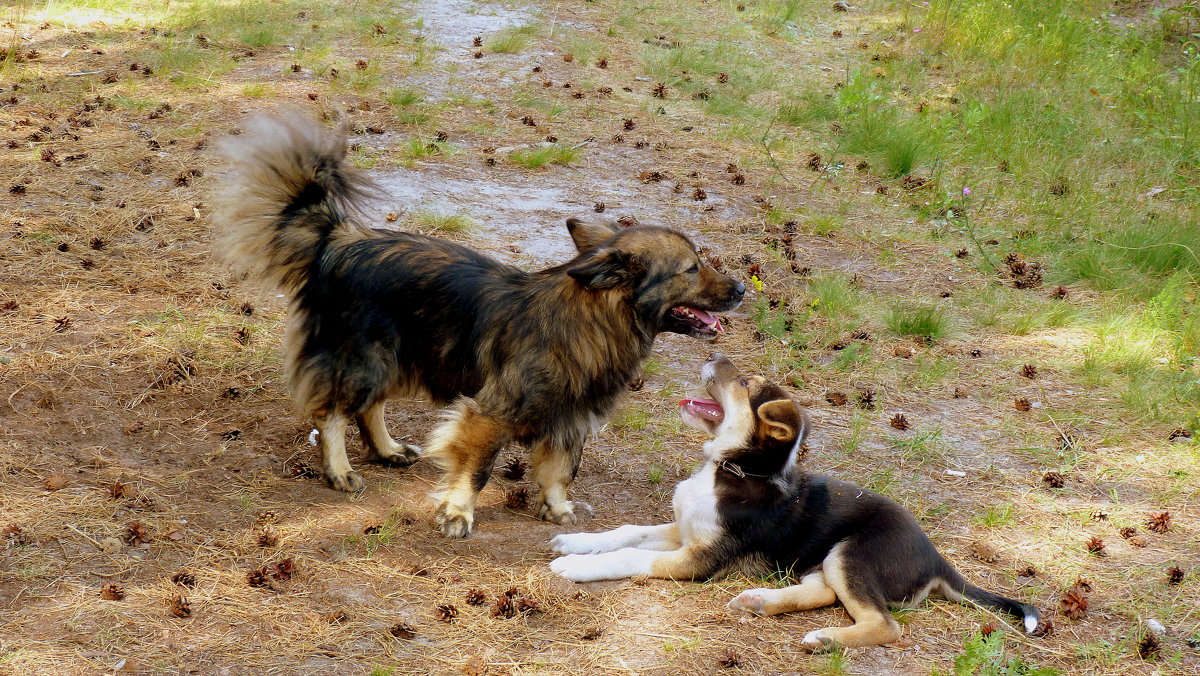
[444, 221]
[923, 321]
[549, 153]
[512, 40]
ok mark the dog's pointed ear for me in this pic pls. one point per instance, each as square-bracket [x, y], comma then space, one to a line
[603, 268]
[588, 233]
[780, 419]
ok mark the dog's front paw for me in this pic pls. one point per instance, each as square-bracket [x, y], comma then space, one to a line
[566, 512]
[453, 523]
[579, 567]
[616, 565]
[751, 601]
[350, 482]
[817, 642]
[576, 543]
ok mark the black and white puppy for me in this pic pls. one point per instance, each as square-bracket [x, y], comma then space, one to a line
[751, 508]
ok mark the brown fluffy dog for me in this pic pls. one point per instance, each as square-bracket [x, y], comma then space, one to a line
[533, 358]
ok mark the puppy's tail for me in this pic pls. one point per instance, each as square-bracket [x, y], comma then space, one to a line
[288, 195]
[955, 588]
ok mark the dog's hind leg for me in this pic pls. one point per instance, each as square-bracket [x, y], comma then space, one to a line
[873, 624]
[332, 438]
[555, 464]
[812, 592]
[381, 447]
[465, 445]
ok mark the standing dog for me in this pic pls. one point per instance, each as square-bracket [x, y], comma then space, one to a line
[534, 358]
[752, 508]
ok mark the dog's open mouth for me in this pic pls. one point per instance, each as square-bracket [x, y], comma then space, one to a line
[698, 320]
[704, 409]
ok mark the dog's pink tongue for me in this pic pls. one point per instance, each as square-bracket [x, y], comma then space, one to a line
[708, 319]
[703, 408]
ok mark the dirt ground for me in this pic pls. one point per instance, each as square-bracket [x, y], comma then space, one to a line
[162, 510]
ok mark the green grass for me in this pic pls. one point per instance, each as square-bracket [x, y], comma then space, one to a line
[996, 515]
[406, 105]
[512, 40]
[1013, 100]
[898, 144]
[775, 16]
[855, 434]
[632, 419]
[835, 663]
[541, 155]
[586, 50]
[834, 296]
[986, 656]
[824, 225]
[921, 321]
[403, 97]
[258, 90]
[418, 149]
[921, 447]
[655, 474]
[444, 221]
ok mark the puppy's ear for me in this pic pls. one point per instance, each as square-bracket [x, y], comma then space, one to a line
[589, 232]
[780, 419]
[603, 268]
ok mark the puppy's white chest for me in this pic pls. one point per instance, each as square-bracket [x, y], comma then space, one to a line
[695, 505]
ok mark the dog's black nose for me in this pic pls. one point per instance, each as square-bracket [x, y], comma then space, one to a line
[715, 356]
[740, 289]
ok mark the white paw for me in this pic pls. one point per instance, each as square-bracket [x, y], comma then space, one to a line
[578, 568]
[751, 601]
[581, 543]
[816, 642]
[616, 565]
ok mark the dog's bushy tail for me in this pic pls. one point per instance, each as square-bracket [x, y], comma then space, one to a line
[955, 588]
[287, 194]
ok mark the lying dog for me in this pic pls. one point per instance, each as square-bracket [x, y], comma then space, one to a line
[534, 358]
[752, 508]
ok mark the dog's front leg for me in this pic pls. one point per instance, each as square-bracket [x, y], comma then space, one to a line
[465, 445]
[332, 439]
[679, 564]
[555, 465]
[660, 538]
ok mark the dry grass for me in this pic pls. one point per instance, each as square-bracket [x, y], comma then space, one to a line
[137, 360]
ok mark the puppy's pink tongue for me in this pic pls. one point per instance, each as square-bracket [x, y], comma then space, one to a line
[707, 318]
[703, 408]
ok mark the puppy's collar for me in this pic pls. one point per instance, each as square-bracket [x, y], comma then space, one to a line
[736, 470]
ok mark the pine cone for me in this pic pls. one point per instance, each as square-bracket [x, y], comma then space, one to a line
[1160, 523]
[1175, 575]
[1074, 603]
[446, 612]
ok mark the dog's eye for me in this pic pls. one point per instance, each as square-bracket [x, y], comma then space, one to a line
[694, 269]
[745, 383]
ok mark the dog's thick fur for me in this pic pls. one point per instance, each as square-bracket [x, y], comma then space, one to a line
[532, 358]
[753, 508]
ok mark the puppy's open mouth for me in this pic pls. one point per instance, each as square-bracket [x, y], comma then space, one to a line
[704, 409]
[698, 320]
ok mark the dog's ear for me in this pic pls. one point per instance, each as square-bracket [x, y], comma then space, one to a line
[589, 232]
[780, 419]
[603, 268]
